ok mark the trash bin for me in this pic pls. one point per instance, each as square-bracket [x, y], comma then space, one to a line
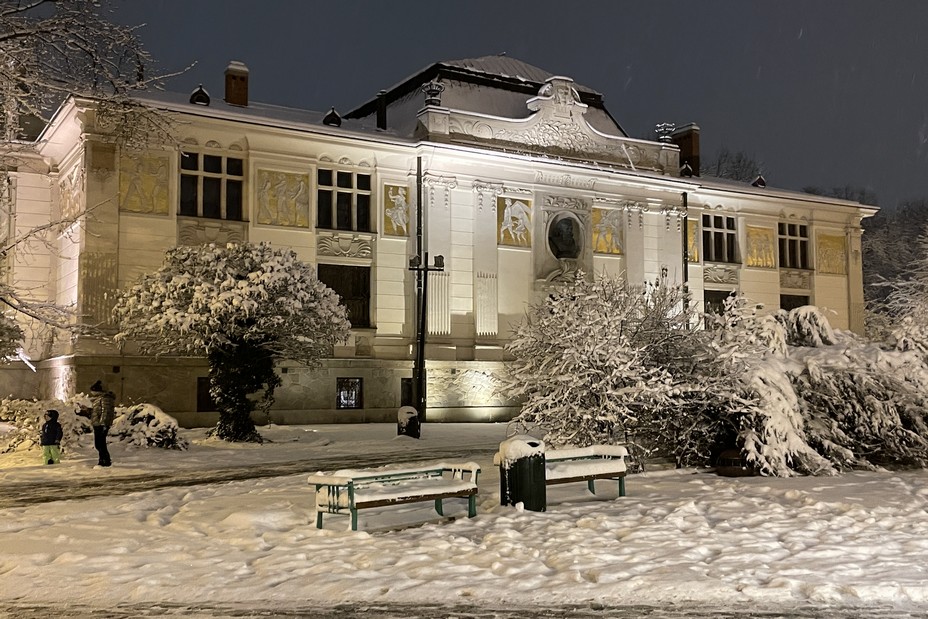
[407, 422]
[521, 460]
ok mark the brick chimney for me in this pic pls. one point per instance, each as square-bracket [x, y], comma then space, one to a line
[237, 83]
[687, 139]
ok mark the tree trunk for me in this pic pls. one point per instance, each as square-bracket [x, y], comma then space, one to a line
[234, 373]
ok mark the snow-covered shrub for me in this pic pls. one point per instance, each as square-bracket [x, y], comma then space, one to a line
[27, 417]
[595, 359]
[146, 425]
[835, 402]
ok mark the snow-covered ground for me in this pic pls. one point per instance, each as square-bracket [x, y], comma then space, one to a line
[682, 538]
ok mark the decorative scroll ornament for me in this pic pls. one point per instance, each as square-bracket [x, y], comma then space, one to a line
[345, 246]
[801, 280]
[720, 274]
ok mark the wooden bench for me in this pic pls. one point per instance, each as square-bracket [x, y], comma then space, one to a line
[563, 466]
[348, 491]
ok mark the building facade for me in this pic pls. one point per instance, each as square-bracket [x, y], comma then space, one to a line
[516, 182]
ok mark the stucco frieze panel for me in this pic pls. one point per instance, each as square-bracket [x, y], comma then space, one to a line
[831, 254]
[761, 247]
[514, 221]
[282, 199]
[395, 210]
[143, 184]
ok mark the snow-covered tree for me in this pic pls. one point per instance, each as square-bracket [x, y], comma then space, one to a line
[907, 303]
[243, 306]
[50, 50]
[595, 359]
[736, 166]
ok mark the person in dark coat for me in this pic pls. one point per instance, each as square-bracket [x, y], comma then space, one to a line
[102, 413]
[52, 433]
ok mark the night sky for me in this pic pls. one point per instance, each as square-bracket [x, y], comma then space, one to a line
[821, 92]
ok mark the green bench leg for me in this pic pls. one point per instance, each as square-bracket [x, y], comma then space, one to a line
[621, 486]
[472, 506]
[438, 507]
[318, 520]
[589, 484]
[354, 519]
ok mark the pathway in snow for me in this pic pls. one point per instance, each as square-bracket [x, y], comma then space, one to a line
[23, 494]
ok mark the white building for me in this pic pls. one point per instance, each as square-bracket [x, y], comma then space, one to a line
[525, 178]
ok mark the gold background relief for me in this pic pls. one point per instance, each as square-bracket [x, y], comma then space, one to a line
[143, 184]
[396, 210]
[761, 243]
[692, 233]
[831, 254]
[283, 199]
[607, 231]
[514, 221]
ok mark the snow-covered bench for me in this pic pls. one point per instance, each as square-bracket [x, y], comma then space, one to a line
[349, 491]
[587, 464]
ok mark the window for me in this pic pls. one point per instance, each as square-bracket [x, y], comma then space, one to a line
[349, 393]
[718, 238]
[793, 246]
[211, 186]
[792, 301]
[714, 300]
[343, 200]
[353, 285]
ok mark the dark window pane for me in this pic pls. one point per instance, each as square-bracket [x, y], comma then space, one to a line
[343, 211]
[784, 257]
[189, 161]
[364, 182]
[212, 192]
[353, 285]
[234, 200]
[707, 245]
[324, 209]
[364, 213]
[188, 195]
[792, 301]
[345, 181]
[706, 221]
[729, 247]
[235, 167]
[212, 163]
[792, 229]
[730, 223]
[718, 249]
[781, 228]
[803, 255]
[717, 222]
[803, 231]
[324, 177]
[348, 393]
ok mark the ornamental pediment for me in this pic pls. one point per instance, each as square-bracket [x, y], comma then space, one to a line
[556, 126]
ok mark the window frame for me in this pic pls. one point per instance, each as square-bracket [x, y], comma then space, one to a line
[202, 177]
[337, 193]
[720, 236]
[352, 299]
[346, 384]
[794, 245]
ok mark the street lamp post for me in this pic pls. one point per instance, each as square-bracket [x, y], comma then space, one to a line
[420, 264]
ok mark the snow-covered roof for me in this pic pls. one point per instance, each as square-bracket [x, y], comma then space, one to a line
[494, 85]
